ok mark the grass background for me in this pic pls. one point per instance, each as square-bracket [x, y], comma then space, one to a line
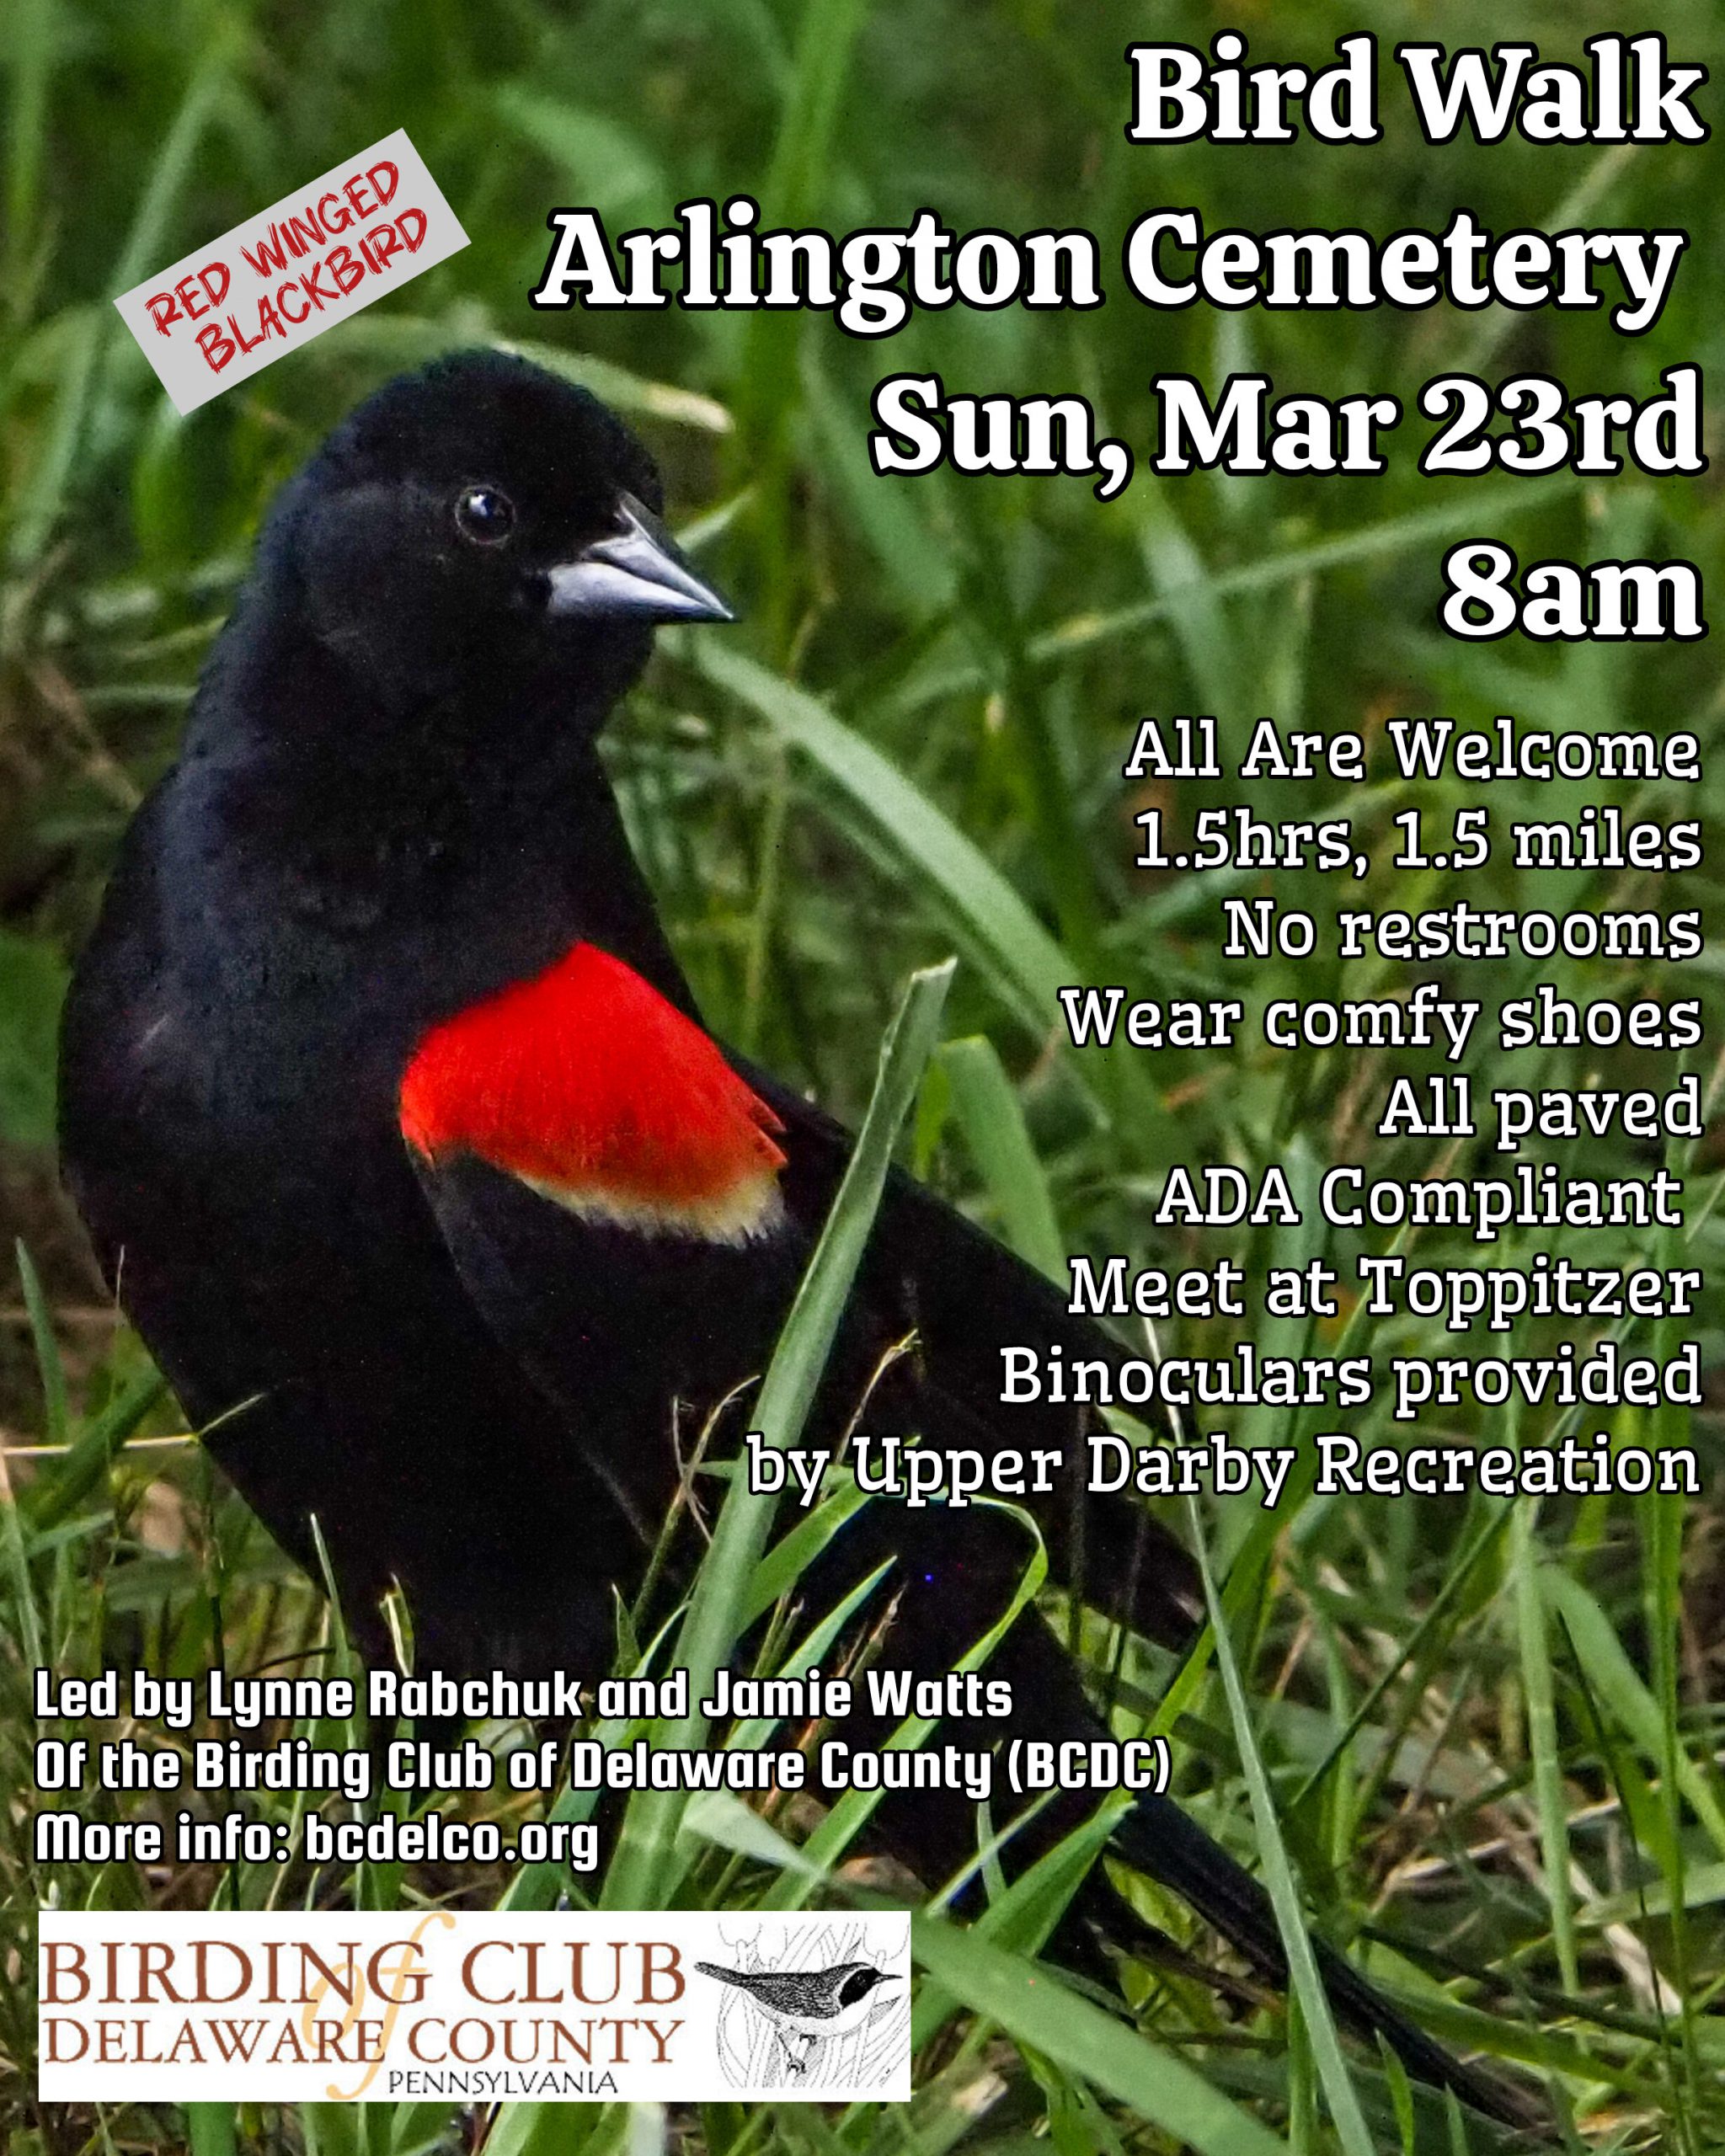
[1490, 1730]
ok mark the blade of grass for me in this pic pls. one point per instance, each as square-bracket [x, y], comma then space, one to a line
[1407, 1653]
[404, 340]
[1028, 752]
[82, 1467]
[1373, 542]
[1661, 1540]
[1208, 641]
[1534, 1647]
[1022, 1915]
[790, 1556]
[32, 42]
[1618, 1686]
[802, 154]
[1017, 950]
[627, 390]
[1029, 966]
[48, 1362]
[1036, 2010]
[211, 2129]
[809, 1653]
[833, 1837]
[1496, 324]
[334, 2129]
[1345, 2112]
[1397, 535]
[717, 1612]
[536, 1885]
[44, 494]
[768, 393]
[720, 1818]
[17, 1568]
[987, 1106]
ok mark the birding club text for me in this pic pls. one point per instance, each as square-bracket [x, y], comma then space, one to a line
[330, 1738]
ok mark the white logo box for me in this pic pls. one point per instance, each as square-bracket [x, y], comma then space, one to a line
[365, 227]
[287, 2007]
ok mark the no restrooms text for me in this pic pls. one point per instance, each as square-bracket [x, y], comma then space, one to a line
[1623, 89]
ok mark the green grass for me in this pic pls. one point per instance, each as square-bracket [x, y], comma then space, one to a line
[1482, 1739]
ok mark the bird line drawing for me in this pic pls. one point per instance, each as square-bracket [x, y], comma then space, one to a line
[805, 2015]
[805, 2005]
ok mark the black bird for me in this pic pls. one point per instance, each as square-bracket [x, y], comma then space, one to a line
[399, 1136]
[809, 2004]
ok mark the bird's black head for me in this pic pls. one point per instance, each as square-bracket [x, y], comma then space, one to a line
[478, 524]
[859, 1982]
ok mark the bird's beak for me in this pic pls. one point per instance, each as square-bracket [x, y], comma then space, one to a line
[637, 570]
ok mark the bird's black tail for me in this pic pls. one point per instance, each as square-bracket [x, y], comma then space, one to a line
[1157, 1838]
[935, 1623]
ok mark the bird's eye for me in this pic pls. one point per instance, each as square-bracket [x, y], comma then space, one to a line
[485, 515]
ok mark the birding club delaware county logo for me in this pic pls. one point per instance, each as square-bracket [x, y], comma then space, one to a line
[286, 2007]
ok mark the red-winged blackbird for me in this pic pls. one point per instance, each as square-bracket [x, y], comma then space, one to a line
[400, 1137]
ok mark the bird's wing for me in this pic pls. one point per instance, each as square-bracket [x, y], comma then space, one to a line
[631, 1209]
[635, 1233]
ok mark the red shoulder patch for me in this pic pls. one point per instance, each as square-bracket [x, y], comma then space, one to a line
[589, 1086]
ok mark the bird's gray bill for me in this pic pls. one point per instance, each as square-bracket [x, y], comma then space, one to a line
[639, 569]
